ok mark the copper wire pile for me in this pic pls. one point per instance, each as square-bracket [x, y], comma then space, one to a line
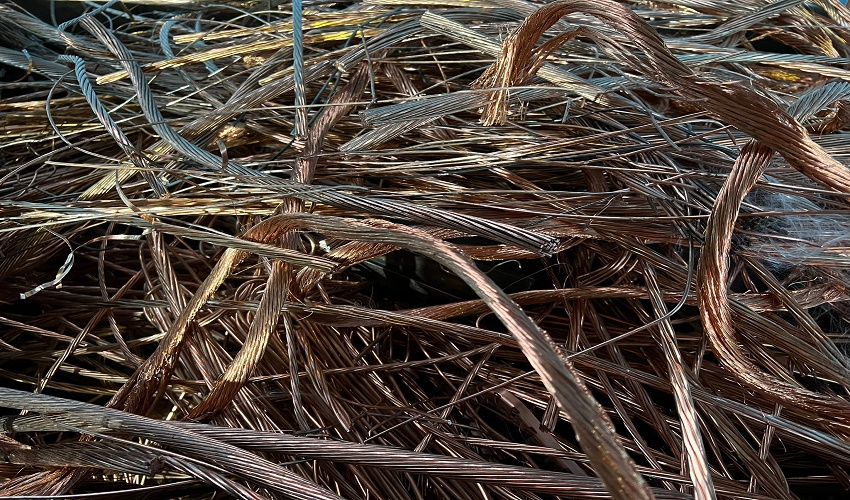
[447, 249]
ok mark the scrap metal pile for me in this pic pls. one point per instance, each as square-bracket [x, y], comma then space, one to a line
[426, 249]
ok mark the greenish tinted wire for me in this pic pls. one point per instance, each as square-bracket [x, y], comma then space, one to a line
[111, 127]
[298, 68]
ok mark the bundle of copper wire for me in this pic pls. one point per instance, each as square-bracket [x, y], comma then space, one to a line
[456, 249]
